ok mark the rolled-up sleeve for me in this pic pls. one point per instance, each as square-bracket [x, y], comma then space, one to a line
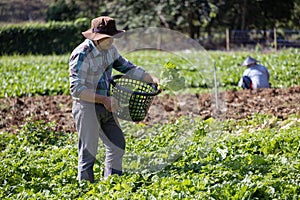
[78, 67]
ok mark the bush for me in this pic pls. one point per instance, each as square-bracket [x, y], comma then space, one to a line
[41, 38]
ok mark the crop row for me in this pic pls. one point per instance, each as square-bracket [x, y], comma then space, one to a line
[261, 163]
[48, 75]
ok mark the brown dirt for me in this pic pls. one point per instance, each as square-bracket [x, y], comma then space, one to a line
[281, 103]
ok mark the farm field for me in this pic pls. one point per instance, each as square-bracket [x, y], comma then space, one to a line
[249, 150]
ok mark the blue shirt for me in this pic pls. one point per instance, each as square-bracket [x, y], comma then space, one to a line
[259, 76]
[92, 69]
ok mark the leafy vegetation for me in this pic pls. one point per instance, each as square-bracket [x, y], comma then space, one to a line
[60, 10]
[283, 67]
[170, 78]
[41, 38]
[254, 158]
[34, 75]
[203, 20]
[48, 75]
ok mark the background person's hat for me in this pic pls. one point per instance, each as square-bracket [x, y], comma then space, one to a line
[248, 61]
[102, 27]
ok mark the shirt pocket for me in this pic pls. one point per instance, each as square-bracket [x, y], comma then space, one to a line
[96, 65]
[95, 72]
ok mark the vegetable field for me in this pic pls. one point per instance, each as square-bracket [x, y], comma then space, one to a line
[249, 151]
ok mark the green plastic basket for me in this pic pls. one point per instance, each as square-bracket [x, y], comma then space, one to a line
[134, 97]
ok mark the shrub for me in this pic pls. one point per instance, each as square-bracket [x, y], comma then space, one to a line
[41, 38]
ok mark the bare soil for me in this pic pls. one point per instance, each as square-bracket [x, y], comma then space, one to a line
[15, 112]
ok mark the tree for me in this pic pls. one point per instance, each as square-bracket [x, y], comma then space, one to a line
[134, 13]
[91, 8]
[275, 11]
[295, 19]
[250, 14]
[183, 15]
[61, 10]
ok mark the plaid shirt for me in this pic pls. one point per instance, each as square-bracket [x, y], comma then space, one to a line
[92, 69]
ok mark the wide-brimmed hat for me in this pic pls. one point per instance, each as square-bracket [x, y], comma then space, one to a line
[102, 27]
[248, 61]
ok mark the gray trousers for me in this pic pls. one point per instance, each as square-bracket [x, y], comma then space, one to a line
[92, 122]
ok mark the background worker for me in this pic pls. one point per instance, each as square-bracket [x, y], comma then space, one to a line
[255, 76]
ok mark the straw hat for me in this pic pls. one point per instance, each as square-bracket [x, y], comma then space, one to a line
[102, 27]
[248, 61]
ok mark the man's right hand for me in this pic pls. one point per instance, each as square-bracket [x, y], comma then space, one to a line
[111, 104]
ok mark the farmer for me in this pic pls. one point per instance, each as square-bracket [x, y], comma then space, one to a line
[90, 66]
[255, 76]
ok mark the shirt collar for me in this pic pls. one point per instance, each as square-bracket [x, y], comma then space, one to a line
[95, 51]
[93, 48]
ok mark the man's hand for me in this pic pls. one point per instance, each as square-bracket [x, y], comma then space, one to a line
[111, 104]
[151, 79]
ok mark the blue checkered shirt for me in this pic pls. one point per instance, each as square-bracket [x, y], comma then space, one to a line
[92, 69]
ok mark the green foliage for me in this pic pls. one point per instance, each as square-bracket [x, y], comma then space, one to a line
[61, 10]
[170, 78]
[283, 67]
[49, 75]
[187, 16]
[196, 68]
[41, 38]
[198, 18]
[267, 16]
[34, 75]
[134, 14]
[255, 158]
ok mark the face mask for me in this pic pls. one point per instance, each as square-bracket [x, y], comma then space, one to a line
[104, 44]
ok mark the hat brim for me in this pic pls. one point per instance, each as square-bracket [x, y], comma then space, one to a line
[89, 34]
[249, 62]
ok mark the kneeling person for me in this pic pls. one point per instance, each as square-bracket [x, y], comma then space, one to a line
[255, 76]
